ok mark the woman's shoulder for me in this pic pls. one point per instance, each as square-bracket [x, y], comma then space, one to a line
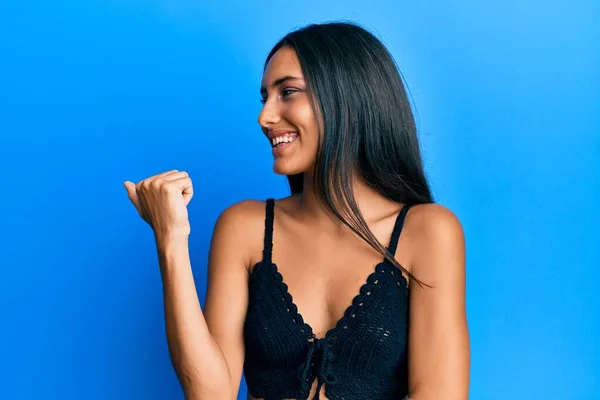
[436, 234]
[243, 215]
[431, 223]
[245, 219]
[252, 209]
[240, 226]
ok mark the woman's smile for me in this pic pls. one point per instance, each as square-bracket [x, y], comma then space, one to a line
[283, 142]
[280, 142]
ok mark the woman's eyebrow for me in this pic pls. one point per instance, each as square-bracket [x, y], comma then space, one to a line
[279, 81]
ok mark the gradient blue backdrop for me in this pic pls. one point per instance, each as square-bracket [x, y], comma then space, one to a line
[93, 93]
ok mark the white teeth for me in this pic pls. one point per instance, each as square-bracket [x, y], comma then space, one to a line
[287, 138]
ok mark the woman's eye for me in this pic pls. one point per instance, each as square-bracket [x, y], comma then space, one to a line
[287, 92]
[284, 94]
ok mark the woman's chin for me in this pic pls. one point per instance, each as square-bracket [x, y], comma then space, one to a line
[280, 167]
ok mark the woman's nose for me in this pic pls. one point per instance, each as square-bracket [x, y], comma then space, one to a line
[269, 115]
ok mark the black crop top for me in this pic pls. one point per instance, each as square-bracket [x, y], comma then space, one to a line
[364, 357]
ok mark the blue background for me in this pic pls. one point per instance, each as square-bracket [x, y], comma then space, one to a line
[93, 93]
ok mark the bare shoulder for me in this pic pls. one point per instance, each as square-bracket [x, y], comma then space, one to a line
[240, 227]
[237, 233]
[243, 215]
[438, 325]
[435, 219]
[436, 235]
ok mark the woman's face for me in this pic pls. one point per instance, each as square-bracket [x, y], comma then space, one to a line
[287, 118]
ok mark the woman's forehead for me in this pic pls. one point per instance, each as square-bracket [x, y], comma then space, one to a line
[283, 63]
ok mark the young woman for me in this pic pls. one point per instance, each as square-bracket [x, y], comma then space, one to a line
[353, 287]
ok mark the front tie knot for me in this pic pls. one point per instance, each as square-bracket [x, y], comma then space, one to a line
[320, 355]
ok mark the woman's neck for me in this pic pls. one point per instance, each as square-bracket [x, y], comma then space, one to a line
[372, 204]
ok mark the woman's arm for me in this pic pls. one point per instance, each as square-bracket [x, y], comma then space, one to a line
[439, 354]
[206, 349]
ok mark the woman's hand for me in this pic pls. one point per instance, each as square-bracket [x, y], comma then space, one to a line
[161, 200]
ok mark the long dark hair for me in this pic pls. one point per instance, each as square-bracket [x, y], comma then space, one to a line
[369, 129]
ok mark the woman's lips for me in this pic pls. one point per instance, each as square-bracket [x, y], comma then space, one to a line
[277, 150]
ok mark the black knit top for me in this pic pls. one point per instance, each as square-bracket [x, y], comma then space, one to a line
[364, 357]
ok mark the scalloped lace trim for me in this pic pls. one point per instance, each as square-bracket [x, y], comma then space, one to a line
[362, 299]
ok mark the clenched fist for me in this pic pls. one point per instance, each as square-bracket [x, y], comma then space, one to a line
[161, 200]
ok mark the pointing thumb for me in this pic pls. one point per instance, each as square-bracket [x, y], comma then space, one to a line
[131, 192]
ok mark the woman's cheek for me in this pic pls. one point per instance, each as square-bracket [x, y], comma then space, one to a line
[309, 126]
